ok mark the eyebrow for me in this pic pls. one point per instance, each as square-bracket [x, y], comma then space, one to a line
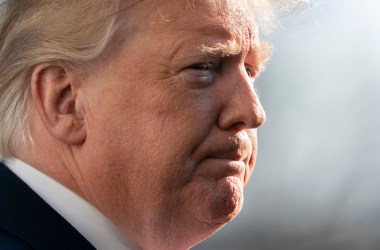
[262, 51]
[221, 49]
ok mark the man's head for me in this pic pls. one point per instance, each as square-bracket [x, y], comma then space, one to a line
[147, 109]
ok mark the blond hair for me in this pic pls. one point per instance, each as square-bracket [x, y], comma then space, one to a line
[35, 31]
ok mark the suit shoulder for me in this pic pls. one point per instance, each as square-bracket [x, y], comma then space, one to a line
[9, 241]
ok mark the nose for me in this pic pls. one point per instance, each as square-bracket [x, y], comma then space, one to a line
[242, 108]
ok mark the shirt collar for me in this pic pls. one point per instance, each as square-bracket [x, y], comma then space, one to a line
[84, 217]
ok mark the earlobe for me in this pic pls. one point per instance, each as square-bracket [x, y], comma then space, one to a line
[54, 94]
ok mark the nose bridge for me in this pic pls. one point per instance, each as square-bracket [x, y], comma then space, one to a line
[242, 109]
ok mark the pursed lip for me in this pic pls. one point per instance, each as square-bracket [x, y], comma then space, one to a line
[226, 157]
[236, 148]
[219, 167]
[232, 156]
[220, 164]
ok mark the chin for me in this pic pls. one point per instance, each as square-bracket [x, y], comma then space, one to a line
[227, 201]
[221, 201]
[206, 205]
[213, 203]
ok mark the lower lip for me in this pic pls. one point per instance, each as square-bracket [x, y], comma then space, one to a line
[216, 168]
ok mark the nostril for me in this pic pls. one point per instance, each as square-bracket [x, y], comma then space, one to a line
[238, 126]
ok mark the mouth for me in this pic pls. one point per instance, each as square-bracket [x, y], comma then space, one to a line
[233, 155]
[220, 167]
[229, 157]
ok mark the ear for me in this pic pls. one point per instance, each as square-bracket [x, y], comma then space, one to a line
[54, 93]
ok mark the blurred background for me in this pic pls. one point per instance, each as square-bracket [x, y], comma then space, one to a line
[317, 177]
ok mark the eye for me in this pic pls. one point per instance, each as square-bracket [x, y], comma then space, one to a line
[202, 66]
[251, 72]
[201, 75]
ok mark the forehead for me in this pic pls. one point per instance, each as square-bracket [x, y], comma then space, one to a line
[234, 14]
[172, 30]
[231, 17]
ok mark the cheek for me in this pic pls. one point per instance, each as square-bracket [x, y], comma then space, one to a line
[170, 154]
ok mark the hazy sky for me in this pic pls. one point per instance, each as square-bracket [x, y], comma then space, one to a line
[316, 180]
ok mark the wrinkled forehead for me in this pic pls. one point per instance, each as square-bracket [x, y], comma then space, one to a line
[234, 16]
[215, 27]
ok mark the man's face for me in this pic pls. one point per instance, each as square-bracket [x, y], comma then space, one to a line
[171, 118]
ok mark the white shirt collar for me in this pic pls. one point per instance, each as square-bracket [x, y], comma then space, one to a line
[84, 217]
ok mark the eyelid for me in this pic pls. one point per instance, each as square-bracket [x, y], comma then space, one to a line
[200, 75]
[206, 66]
[211, 62]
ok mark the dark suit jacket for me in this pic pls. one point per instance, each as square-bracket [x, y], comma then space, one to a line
[28, 222]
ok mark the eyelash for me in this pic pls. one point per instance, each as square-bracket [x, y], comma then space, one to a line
[211, 66]
[250, 72]
[203, 66]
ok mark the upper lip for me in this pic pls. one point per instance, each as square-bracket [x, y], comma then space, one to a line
[233, 155]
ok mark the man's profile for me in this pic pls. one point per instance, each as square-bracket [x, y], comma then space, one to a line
[125, 124]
